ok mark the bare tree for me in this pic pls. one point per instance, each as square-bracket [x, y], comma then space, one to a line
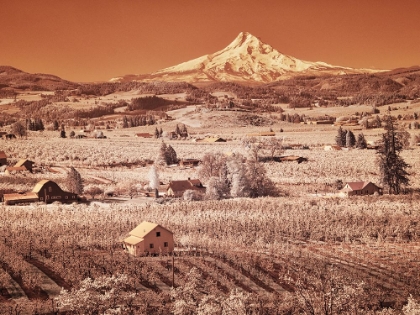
[212, 165]
[19, 129]
[274, 146]
[254, 146]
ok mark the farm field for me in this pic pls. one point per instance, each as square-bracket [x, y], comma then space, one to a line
[286, 254]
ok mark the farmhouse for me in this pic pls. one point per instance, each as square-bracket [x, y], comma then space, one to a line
[360, 188]
[148, 238]
[3, 158]
[45, 190]
[176, 188]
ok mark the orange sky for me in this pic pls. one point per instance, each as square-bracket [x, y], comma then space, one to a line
[90, 40]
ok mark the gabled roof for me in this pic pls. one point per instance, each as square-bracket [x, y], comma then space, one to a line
[23, 161]
[40, 184]
[182, 185]
[3, 155]
[358, 185]
[133, 240]
[144, 228]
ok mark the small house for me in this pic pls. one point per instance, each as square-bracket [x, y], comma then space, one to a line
[360, 188]
[176, 188]
[149, 238]
[3, 158]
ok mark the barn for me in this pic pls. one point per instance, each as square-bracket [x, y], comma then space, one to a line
[45, 191]
[149, 238]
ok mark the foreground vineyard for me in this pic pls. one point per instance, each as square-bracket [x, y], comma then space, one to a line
[275, 255]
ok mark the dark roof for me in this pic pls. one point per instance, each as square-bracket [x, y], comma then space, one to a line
[23, 161]
[182, 185]
[359, 185]
[3, 155]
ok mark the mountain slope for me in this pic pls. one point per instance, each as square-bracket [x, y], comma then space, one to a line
[17, 79]
[246, 59]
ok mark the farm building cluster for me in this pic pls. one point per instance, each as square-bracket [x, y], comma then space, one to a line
[46, 191]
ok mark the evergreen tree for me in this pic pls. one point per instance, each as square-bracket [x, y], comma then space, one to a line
[361, 141]
[350, 139]
[171, 157]
[125, 122]
[156, 133]
[161, 157]
[55, 125]
[340, 139]
[39, 124]
[74, 181]
[62, 133]
[184, 131]
[393, 168]
[177, 130]
[160, 133]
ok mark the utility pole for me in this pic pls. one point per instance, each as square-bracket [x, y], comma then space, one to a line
[173, 270]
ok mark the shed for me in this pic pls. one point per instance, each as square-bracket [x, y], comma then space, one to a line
[189, 162]
[149, 238]
[25, 163]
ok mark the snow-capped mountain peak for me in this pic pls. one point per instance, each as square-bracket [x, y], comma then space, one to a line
[246, 58]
